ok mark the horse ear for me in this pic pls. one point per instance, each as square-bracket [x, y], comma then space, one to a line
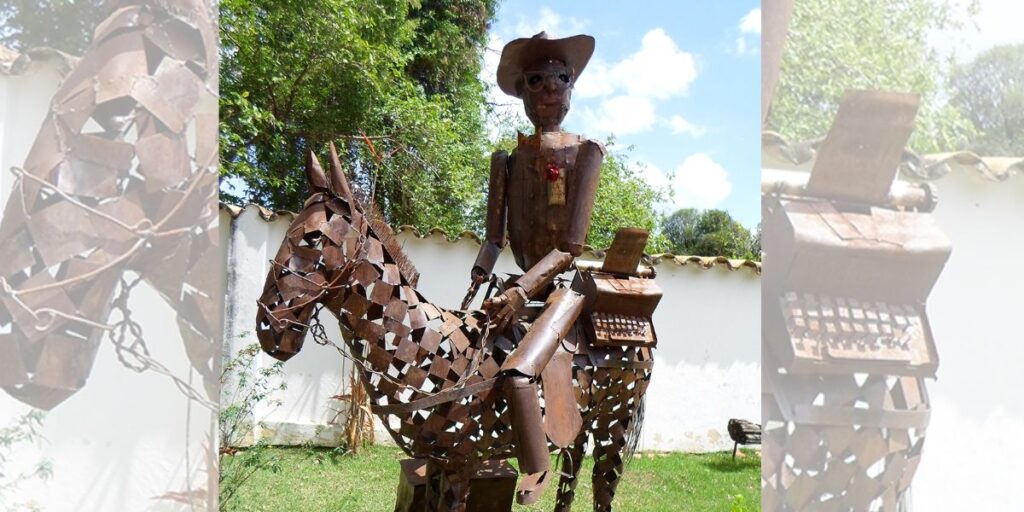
[315, 174]
[339, 183]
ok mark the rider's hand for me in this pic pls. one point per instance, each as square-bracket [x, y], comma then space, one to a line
[477, 275]
[504, 307]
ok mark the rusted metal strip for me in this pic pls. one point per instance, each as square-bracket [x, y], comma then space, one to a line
[847, 416]
[447, 395]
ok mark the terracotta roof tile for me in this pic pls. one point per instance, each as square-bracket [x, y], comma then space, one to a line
[704, 262]
[779, 153]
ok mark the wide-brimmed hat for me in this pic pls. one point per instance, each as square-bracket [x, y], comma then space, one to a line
[574, 51]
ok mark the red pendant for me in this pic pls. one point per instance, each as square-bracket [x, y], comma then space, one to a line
[551, 172]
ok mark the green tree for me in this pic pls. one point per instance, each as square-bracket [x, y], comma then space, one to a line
[681, 229]
[835, 45]
[65, 25]
[710, 233]
[624, 199]
[393, 82]
[755, 243]
[990, 92]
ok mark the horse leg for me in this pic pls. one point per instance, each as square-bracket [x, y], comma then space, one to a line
[447, 490]
[611, 430]
[608, 466]
[572, 461]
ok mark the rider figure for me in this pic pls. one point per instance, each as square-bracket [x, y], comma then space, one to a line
[541, 196]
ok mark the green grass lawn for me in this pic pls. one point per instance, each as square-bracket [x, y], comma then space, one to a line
[319, 480]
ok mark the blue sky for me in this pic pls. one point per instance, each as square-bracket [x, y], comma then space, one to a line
[678, 80]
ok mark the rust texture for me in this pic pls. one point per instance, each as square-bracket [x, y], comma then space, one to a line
[119, 186]
[434, 374]
[490, 488]
[459, 388]
[846, 337]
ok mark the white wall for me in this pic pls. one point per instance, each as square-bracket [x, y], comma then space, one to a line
[977, 313]
[707, 365]
[24, 101]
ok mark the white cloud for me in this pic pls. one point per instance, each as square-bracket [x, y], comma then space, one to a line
[698, 182]
[551, 22]
[654, 176]
[682, 126]
[492, 54]
[621, 115]
[627, 90]
[658, 70]
[595, 82]
[741, 45]
[751, 23]
[749, 41]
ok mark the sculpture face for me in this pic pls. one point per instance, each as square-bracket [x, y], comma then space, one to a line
[547, 89]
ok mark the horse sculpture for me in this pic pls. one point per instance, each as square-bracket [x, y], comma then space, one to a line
[431, 372]
[111, 186]
[120, 187]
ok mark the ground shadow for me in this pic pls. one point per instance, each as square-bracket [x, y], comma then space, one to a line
[750, 459]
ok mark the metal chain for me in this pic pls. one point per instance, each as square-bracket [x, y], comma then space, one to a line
[120, 331]
[134, 355]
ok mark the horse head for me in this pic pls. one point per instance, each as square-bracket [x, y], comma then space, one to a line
[315, 261]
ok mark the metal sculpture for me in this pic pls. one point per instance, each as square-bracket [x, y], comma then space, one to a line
[459, 388]
[121, 178]
[120, 187]
[847, 343]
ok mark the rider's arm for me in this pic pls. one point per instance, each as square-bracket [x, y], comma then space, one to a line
[494, 240]
[588, 176]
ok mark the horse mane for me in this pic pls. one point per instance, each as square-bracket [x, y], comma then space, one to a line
[382, 230]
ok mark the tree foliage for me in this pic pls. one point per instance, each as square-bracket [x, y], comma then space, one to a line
[65, 25]
[835, 45]
[393, 82]
[624, 199]
[989, 91]
[710, 233]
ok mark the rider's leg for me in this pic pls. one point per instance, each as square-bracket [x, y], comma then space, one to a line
[523, 366]
[532, 354]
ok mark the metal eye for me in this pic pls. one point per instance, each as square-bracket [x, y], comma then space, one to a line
[534, 79]
[564, 78]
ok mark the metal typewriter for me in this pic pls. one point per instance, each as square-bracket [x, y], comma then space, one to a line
[621, 296]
